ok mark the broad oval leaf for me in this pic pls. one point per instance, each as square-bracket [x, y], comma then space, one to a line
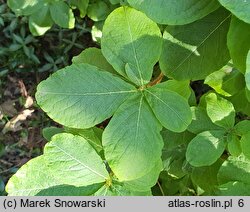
[206, 148]
[245, 144]
[66, 162]
[195, 50]
[234, 145]
[85, 166]
[242, 127]
[132, 141]
[175, 13]
[98, 11]
[240, 102]
[206, 177]
[227, 81]
[238, 41]
[220, 111]
[24, 7]
[62, 14]
[33, 181]
[93, 56]
[235, 169]
[171, 109]
[180, 87]
[239, 8]
[132, 43]
[81, 96]
[200, 121]
[81, 5]
[40, 22]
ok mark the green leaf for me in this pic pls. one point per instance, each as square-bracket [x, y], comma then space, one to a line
[144, 183]
[131, 43]
[240, 102]
[195, 50]
[173, 153]
[235, 169]
[82, 5]
[62, 14]
[171, 109]
[40, 22]
[200, 121]
[118, 189]
[98, 11]
[245, 144]
[206, 148]
[180, 87]
[75, 152]
[175, 13]
[206, 177]
[24, 7]
[93, 56]
[233, 146]
[220, 111]
[247, 75]
[227, 81]
[115, 1]
[174, 140]
[238, 41]
[242, 127]
[31, 180]
[247, 94]
[66, 155]
[92, 135]
[239, 8]
[93, 96]
[234, 188]
[49, 132]
[133, 134]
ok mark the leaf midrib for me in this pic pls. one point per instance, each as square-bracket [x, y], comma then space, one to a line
[202, 42]
[88, 94]
[177, 114]
[79, 162]
[133, 47]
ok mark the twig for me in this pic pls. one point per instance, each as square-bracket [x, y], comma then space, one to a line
[156, 80]
[162, 192]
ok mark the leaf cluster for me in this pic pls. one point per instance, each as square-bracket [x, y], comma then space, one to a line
[156, 131]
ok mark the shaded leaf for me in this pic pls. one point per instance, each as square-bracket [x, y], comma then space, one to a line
[200, 121]
[239, 165]
[234, 188]
[93, 56]
[195, 50]
[233, 146]
[66, 20]
[220, 111]
[206, 148]
[245, 144]
[169, 12]
[40, 22]
[239, 8]
[227, 81]
[238, 41]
